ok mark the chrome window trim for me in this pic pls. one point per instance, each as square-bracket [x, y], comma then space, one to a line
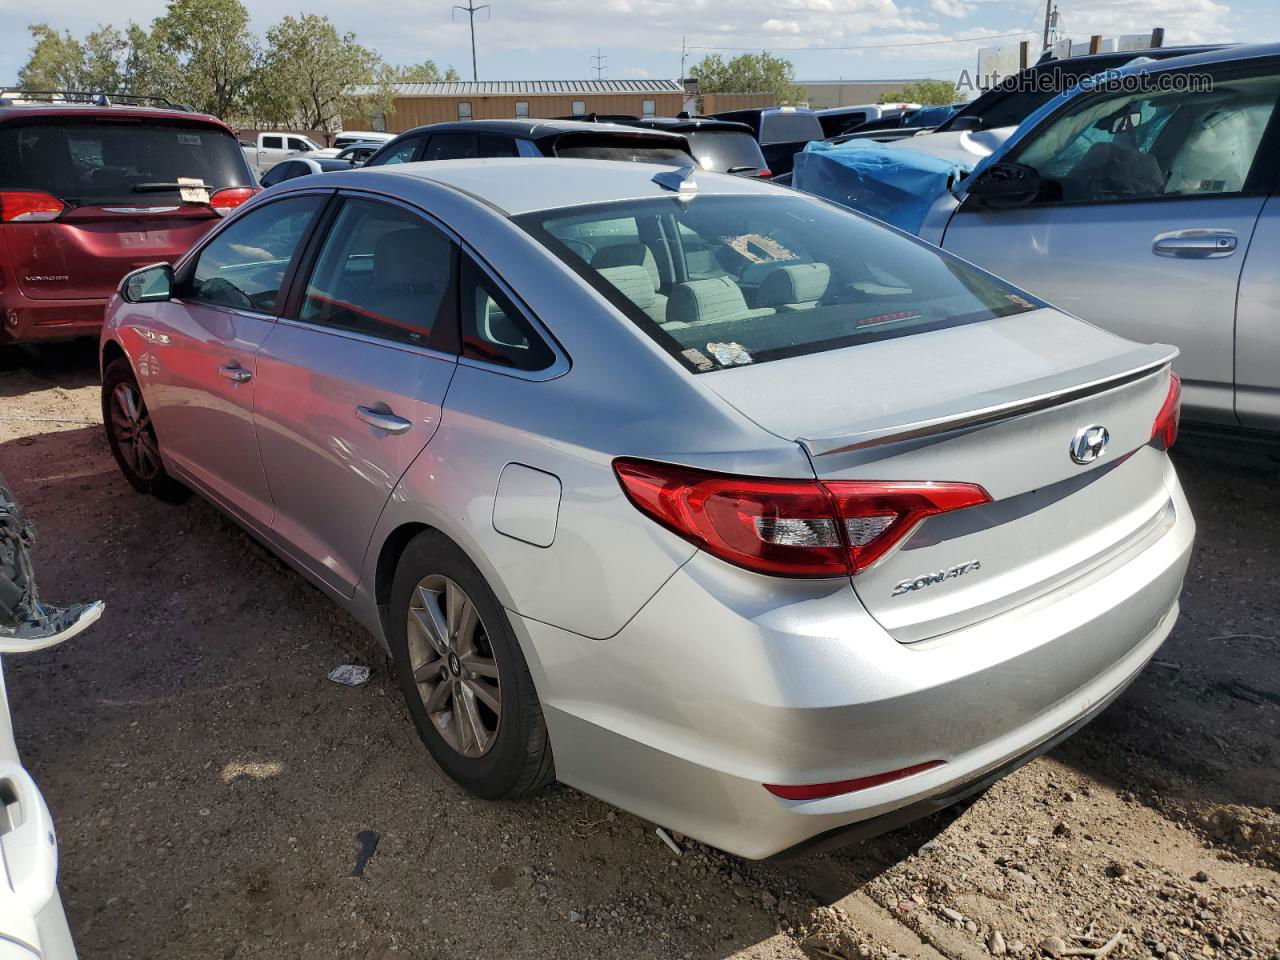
[372, 341]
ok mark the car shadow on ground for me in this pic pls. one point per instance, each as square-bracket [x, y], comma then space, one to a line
[24, 369]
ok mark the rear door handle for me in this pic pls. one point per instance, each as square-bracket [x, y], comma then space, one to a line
[1196, 244]
[383, 419]
[234, 372]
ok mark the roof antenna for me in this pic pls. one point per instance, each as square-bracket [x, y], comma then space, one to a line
[680, 180]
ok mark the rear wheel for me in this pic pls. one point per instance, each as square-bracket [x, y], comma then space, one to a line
[462, 674]
[132, 436]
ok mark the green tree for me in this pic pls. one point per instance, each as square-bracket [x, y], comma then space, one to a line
[203, 54]
[929, 93]
[310, 71]
[56, 61]
[749, 73]
[425, 72]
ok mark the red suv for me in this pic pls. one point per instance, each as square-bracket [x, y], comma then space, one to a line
[91, 189]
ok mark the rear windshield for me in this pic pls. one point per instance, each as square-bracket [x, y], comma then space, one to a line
[722, 281]
[638, 149]
[726, 150]
[790, 127]
[118, 161]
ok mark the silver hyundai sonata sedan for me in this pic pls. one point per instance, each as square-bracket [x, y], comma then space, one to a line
[728, 506]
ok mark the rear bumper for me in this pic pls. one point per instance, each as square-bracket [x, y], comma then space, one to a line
[726, 681]
[23, 320]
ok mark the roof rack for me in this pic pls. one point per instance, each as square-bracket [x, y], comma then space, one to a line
[9, 96]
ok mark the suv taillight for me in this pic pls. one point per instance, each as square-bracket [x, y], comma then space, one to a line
[788, 528]
[229, 198]
[28, 206]
[1165, 430]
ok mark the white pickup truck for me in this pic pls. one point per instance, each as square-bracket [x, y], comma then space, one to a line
[271, 148]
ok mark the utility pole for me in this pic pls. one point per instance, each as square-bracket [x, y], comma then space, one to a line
[599, 64]
[1048, 21]
[471, 10]
[684, 53]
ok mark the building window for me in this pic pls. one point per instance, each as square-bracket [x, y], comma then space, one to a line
[522, 108]
[378, 122]
[649, 108]
[464, 109]
[579, 108]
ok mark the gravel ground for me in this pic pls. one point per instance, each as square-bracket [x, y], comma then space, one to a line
[209, 782]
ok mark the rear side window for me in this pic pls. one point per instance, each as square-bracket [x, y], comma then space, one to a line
[244, 266]
[451, 146]
[273, 143]
[635, 149]
[493, 329]
[91, 163]
[761, 278]
[383, 272]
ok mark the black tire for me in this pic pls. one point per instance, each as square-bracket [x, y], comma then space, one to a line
[518, 761]
[146, 475]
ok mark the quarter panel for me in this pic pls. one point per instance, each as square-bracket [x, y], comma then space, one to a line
[1257, 346]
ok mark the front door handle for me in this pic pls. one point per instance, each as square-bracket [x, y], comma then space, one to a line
[234, 372]
[383, 419]
[1196, 244]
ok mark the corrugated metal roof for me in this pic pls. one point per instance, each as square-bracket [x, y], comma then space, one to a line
[523, 88]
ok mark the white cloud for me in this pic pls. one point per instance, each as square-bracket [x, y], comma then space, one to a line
[952, 8]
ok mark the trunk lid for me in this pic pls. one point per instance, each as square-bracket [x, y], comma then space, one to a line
[996, 404]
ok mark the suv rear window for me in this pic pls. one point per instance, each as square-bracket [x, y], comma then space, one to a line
[637, 149]
[788, 127]
[86, 162]
[755, 278]
[726, 150]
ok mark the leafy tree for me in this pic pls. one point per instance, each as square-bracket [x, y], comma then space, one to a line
[309, 71]
[929, 93]
[425, 72]
[749, 73]
[56, 62]
[201, 52]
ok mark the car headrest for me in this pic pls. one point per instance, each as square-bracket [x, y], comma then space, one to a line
[406, 260]
[700, 301]
[629, 255]
[633, 283]
[795, 283]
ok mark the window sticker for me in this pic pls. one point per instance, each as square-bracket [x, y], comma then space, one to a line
[191, 139]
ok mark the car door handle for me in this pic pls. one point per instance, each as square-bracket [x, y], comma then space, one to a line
[234, 372]
[383, 419]
[1195, 244]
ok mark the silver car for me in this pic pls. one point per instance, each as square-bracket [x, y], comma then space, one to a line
[1150, 208]
[767, 523]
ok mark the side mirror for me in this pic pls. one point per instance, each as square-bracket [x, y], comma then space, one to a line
[153, 284]
[1003, 186]
[966, 122]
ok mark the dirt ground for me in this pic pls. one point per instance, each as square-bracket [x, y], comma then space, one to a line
[209, 782]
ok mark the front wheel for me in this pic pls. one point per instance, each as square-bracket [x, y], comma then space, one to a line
[462, 674]
[132, 436]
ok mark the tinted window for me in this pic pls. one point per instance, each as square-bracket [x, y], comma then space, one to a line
[492, 145]
[383, 272]
[589, 146]
[296, 144]
[277, 173]
[789, 127]
[273, 143]
[725, 150]
[493, 329]
[1126, 146]
[244, 265]
[772, 277]
[116, 163]
[451, 146]
[402, 152]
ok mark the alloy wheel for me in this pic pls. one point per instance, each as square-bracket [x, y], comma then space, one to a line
[453, 665]
[135, 437]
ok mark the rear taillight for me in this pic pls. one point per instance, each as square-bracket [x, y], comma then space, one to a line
[1165, 430]
[229, 198]
[28, 206]
[788, 528]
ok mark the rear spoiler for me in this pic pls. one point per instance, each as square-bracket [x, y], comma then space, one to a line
[981, 409]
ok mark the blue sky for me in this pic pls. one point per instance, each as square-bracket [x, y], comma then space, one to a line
[555, 39]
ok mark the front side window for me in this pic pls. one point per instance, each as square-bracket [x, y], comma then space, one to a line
[1141, 146]
[522, 109]
[493, 330]
[754, 279]
[579, 108]
[464, 110]
[296, 144]
[383, 272]
[245, 264]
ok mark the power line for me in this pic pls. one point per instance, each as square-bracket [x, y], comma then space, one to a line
[471, 10]
[877, 46]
